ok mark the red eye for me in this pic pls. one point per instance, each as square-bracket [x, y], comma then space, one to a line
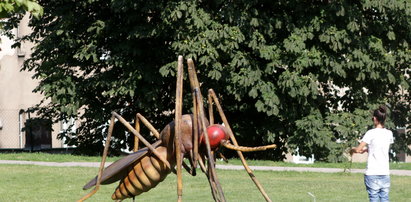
[216, 133]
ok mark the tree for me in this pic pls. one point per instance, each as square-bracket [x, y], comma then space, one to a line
[12, 7]
[9, 8]
[301, 74]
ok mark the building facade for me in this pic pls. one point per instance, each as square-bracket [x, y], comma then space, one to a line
[17, 97]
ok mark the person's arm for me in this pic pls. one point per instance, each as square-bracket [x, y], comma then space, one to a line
[361, 148]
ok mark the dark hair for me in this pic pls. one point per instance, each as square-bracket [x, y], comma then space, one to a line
[380, 114]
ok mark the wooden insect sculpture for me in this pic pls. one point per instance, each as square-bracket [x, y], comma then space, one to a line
[190, 136]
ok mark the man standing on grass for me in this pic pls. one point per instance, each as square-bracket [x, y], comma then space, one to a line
[377, 174]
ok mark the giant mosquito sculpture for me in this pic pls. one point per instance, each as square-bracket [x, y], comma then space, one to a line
[182, 138]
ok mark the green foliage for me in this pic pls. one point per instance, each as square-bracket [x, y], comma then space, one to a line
[11, 7]
[298, 73]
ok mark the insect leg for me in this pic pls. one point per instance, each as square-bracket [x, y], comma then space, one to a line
[211, 162]
[207, 172]
[178, 117]
[148, 125]
[137, 127]
[195, 86]
[194, 155]
[144, 141]
[210, 109]
[223, 157]
[240, 154]
[103, 161]
[188, 169]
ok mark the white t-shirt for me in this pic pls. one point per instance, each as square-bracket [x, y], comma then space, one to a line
[378, 140]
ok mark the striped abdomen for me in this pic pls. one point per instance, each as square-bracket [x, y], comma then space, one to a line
[144, 175]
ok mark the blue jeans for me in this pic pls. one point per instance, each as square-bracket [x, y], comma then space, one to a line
[378, 187]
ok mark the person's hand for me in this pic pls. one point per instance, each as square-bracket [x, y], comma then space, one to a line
[365, 149]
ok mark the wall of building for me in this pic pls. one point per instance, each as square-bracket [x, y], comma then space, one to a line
[16, 92]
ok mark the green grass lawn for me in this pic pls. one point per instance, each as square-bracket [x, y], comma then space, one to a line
[75, 158]
[39, 156]
[41, 183]
[393, 165]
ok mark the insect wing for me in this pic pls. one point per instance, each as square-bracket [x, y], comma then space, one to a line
[117, 170]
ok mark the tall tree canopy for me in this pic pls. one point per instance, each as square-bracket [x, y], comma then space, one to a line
[301, 74]
[12, 7]
[9, 8]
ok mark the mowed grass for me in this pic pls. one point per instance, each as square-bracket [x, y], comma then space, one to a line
[42, 183]
[393, 165]
[38, 156]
